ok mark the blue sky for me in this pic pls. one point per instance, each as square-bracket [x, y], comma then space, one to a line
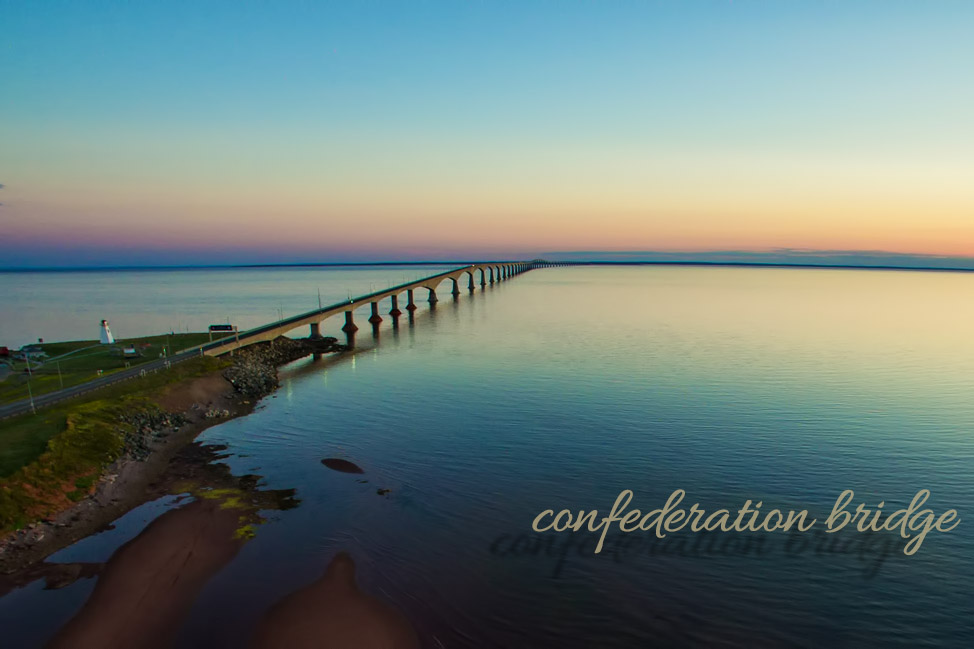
[378, 126]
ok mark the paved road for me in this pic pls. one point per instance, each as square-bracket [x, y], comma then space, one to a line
[20, 407]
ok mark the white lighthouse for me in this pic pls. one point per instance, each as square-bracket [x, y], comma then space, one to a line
[106, 334]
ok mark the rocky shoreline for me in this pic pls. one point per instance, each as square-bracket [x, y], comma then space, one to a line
[154, 440]
[253, 374]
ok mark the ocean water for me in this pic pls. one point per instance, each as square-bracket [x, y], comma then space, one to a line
[559, 389]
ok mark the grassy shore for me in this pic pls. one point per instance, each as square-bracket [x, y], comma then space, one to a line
[55, 457]
[74, 362]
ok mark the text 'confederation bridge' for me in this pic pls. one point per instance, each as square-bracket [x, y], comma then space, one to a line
[471, 275]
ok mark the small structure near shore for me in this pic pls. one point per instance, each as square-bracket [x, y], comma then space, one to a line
[106, 336]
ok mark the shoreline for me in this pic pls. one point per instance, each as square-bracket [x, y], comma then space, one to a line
[131, 481]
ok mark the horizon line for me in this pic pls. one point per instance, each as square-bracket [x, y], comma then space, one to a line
[594, 262]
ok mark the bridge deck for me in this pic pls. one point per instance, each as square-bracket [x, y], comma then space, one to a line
[273, 330]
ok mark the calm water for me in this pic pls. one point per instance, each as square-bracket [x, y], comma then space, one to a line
[559, 389]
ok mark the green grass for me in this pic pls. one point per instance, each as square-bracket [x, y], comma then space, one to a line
[23, 439]
[75, 362]
[58, 454]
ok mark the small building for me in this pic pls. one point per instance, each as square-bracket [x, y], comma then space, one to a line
[29, 352]
[129, 351]
[4, 352]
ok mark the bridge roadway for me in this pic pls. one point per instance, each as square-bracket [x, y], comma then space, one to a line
[489, 273]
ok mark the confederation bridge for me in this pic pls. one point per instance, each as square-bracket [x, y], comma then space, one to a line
[482, 274]
[471, 275]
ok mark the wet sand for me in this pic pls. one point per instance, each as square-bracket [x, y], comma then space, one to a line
[333, 612]
[151, 582]
[149, 585]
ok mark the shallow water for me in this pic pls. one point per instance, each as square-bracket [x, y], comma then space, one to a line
[562, 387]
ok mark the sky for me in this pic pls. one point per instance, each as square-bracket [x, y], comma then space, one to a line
[263, 132]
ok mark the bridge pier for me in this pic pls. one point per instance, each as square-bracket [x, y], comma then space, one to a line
[349, 323]
[490, 273]
[375, 318]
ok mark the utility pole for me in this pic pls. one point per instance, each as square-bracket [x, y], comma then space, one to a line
[59, 377]
[30, 392]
